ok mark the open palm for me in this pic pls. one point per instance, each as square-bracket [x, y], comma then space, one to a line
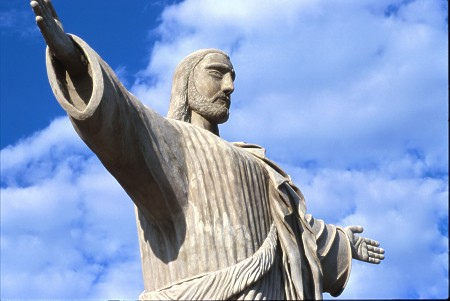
[364, 249]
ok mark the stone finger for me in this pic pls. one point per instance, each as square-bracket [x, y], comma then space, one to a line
[372, 242]
[41, 24]
[52, 9]
[356, 229]
[375, 255]
[374, 260]
[45, 11]
[375, 249]
[36, 9]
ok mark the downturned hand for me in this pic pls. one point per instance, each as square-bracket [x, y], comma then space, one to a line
[364, 249]
[59, 43]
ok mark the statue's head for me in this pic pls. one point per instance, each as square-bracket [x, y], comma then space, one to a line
[203, 82]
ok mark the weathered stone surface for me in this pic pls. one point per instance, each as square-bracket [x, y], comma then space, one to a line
[216, 220]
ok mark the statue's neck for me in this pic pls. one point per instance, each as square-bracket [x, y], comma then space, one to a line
[202, 122]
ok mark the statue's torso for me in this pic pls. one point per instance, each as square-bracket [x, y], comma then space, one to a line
[224, 221]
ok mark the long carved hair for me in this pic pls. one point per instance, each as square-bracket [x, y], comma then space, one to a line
[179, 105]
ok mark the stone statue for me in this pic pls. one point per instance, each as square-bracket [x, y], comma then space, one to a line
[216, 220]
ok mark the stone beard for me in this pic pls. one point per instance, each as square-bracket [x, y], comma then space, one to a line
[215, 109]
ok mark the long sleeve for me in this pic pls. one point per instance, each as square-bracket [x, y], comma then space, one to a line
[139, 147]
[333, 248]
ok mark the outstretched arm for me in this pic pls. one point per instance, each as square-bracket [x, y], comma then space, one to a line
[364, 249]
[140, 148]
[59, 43]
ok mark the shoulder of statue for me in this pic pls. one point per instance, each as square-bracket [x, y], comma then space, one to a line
[277, 175]
[254, 149]
[275, 172]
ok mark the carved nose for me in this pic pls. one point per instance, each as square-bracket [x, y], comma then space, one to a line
[227, 84]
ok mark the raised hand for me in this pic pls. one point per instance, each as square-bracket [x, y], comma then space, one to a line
[364, 249]
[59, 43]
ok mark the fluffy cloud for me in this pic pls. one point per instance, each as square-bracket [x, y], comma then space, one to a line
[342, 75]
[408, 215]
[68, 229]
[16, 22]
[352, 100]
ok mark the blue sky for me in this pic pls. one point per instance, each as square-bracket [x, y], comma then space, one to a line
[350, 97]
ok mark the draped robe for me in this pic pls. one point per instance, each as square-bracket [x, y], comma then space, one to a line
[203, 205]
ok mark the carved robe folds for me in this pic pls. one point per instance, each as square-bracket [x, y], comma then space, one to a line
[204, 206]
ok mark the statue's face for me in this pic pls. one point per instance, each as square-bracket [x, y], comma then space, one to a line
[210, 87]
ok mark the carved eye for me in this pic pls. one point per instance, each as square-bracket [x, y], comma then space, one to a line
[215, 73]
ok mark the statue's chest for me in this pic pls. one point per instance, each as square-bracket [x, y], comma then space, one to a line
[228, 196]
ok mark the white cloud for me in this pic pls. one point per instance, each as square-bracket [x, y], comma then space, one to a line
[341, 76]
[17, 22]
[407, 215]
[67, 226]
[353, 100]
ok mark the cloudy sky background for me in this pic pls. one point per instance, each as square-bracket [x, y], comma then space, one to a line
[350, 97]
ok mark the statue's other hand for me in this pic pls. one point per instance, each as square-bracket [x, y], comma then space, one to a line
[364, 249]
[60, 45]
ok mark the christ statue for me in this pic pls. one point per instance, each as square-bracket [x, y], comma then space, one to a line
[216, 220]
